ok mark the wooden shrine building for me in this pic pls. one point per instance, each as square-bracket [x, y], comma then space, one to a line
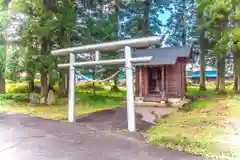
[164, 76]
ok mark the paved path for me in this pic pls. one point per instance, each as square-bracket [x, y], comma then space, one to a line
[28, 138]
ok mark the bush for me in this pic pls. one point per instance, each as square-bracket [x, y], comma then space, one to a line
[17, 88]
[37, 82]
[89, 86]
[14, 96]
[188, 82]
[21, 87]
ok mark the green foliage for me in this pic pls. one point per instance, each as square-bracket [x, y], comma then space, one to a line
[89, 86]
[180, 25]
[188, 82]
[14, 96]
[2, 59]
[47, 26]
[17, 88]
[99, 100]
[134, 13]
[21, 87]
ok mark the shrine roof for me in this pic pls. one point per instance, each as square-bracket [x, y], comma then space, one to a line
[162, 56]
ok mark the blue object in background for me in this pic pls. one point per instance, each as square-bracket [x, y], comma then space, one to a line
[209, 74]
[79, 78]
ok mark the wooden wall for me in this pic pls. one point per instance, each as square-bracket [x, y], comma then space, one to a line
[175, 80]
[141, 82]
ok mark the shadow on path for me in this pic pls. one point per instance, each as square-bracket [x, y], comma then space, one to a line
[113, 119]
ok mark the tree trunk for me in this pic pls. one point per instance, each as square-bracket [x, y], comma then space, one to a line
[93, 84]
[117, 11]
[184, 35]
[221, 78]
[44, 87]
[145, 18]
[50, 80]
[217, 82]
[115, 85]
[62, 84]
[2, 84]
[218, 73]
[237, 72]
[202, 86]
[238, 80]
[31, 86]
[116, 82]
[235, 83]
[183, 19]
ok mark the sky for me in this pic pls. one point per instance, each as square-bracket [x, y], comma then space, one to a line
[165, 16]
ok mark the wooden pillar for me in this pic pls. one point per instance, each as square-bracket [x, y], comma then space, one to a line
[163, 79]
[145, 83]
[166, 80]
[137, 88]
[183, 80]
[140, 82]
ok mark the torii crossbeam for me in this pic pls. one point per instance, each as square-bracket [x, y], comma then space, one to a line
[109, 46]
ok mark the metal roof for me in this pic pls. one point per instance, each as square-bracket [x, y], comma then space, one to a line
[162, 56]
[208, 74]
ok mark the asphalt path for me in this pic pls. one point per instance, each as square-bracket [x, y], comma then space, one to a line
[27, 138]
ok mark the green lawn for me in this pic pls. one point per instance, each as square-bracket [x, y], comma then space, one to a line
[202, 130]
[85, 103]
[16, 100]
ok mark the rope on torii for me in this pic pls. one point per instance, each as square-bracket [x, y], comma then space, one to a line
[103, 80]
[99, 81]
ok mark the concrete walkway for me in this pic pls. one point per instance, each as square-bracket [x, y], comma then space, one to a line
[28, 138]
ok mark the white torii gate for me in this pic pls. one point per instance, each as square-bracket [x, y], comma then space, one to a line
[97, 48]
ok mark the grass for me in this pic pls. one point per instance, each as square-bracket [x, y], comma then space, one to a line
[202, 130]
[85, 103]
[193, 90]
[15, 100]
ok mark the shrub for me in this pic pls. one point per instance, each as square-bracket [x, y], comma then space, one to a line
[89, 86]
[17, 88]
[188, 82]
[14, 96]
[37, 82]
[21, 87]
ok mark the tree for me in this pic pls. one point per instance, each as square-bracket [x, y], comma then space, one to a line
[49, 26]
[235, 38]
[4, 21]
[181, 22]
[217, 23]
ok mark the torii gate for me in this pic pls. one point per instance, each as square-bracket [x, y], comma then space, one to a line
[109, 46]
